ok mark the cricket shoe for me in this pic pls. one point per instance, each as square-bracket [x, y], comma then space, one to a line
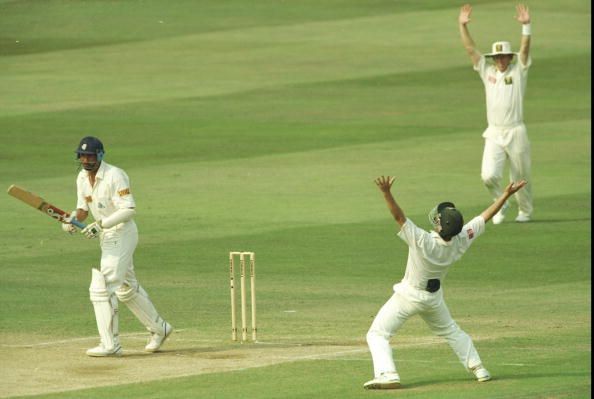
[499, 216]
[481, 373]
[101, 351]
[522, 218]
[384, 381]
[157, 340]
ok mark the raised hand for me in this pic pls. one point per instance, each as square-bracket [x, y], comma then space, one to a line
[464, 16]
[512, 187]
[385, 183]
[522, 14]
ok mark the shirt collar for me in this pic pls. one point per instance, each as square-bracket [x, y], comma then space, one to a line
[507, 71]
[435, 235]
[101, 171]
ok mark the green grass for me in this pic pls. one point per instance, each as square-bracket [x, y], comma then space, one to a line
[261, 126]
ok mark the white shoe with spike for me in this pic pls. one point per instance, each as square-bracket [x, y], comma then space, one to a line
[157, 340]
[481, 373]
[384, 381]
[101, 351]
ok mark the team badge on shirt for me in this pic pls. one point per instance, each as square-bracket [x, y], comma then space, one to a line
[123, 192]
[470, 233]
[88, 199]
[508, 80]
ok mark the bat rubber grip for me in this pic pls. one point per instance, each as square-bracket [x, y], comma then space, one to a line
[78, 224]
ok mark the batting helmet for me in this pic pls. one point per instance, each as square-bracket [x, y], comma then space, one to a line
[92, 146]
[446, 220]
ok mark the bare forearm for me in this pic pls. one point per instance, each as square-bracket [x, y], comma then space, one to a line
[395, 209]
[495, 207]
[523, 17]
[469, 44]
[81, 214]
[525, 49]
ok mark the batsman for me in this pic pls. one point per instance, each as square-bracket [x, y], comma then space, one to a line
[104, 190]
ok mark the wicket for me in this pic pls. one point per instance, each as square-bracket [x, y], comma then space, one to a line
[242, 256]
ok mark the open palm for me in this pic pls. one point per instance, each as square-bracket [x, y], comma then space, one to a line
[464, 16]
[523, 16]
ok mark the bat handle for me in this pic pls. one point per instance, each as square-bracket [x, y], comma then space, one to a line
[78, 224]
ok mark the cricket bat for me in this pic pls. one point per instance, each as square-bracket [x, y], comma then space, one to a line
[39, 203]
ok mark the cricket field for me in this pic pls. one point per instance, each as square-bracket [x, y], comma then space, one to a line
[260, 126]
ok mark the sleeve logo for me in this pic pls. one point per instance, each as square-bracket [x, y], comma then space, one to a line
[123, 192]
[470, 233]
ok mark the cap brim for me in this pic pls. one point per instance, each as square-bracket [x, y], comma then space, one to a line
[494, 54]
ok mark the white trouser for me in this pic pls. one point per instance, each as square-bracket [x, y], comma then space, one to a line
[405, 303]
[117, 251]
[513, 144]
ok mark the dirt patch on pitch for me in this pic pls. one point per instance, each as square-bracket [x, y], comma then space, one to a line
[29, 368]
[32, 366]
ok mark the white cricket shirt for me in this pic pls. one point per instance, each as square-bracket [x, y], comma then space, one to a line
[504, 92]
[429, 256]
[110, 192]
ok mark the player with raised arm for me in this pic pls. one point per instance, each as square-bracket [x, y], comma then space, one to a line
[420, 292]
[506, 136]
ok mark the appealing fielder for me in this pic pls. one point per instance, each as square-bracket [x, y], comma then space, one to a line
[105, 191]
[429, 258]
[505, 136]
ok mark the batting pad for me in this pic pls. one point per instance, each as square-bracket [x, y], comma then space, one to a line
[106, 310]
[98, 289]
[139, 303]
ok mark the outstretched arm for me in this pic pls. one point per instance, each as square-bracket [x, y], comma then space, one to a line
[463, 20]
[385, 184]
[523, 17]
[510, 190]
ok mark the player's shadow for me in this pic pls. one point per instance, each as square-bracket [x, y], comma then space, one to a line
[211, 352]
[494, 380]
[558, 220]
[439, 381]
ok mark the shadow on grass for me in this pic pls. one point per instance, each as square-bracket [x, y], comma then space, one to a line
[585, 219]
[511, 377]
[494, 380]
[229, 351]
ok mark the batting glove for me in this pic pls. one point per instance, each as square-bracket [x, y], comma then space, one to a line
[67, 225]
[93, 230]
[68, 228]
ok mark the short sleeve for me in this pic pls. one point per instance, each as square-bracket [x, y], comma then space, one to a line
[524, 67]
[481, 67]
[411, 234]
[122, 195]
[81, 202]
[474, 228]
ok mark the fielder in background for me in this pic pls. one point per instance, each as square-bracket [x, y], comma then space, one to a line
[506, 136]
[420, 292]
[105, 191]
